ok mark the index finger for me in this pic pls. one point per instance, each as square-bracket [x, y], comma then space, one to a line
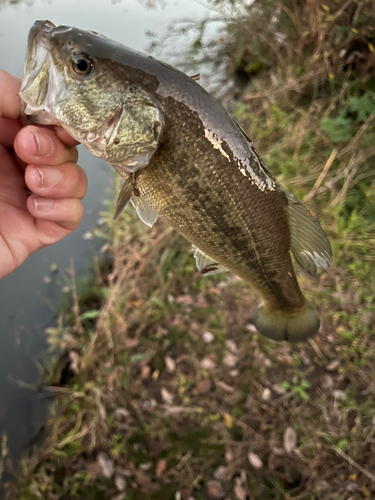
[10, 101]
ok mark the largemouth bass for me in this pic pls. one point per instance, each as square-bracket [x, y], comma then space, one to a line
[184, 159]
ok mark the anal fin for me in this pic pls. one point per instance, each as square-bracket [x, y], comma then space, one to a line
[205, 264]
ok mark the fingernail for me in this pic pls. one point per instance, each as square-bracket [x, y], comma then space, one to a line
[49, 176]
[42, 204]
[44, 144]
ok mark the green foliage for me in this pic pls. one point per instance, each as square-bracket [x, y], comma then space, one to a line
[352, 112]
[362, 107]
[338, 129]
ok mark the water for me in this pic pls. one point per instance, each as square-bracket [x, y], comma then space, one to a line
[26, 299]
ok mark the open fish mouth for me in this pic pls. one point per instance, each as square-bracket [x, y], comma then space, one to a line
[38, 86]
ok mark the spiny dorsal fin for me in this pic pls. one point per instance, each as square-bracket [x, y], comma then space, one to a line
[309, 244]
[205, 264]
[144, 211]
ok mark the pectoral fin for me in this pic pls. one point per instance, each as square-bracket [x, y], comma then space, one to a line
[309, 244]
[205, 264]
[144, 211]
[124, 196]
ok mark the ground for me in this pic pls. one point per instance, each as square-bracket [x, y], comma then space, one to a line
[164, 389]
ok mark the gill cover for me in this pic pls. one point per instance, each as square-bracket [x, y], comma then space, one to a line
[135, 135]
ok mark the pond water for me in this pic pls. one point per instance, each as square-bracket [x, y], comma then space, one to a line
[28, 296]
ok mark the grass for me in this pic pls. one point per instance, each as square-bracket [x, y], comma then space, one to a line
[164, 389]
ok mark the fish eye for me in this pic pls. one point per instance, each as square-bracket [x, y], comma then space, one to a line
[82, 65]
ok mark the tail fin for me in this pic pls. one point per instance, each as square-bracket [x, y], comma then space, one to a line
[279, 325]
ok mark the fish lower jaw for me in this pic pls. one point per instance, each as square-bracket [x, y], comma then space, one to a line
[38, 114]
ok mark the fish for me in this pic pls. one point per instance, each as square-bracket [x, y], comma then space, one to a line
[183, 159]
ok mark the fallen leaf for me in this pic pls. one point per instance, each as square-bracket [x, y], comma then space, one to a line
[333, 365]
[290, 440]
[251, 328]
[144, 482]
[202, 387]
[214, 489]
[208, 337]
[285, 359]
[278, 389]
[170, 364]
[131, 343]
[351, 487]
[200, 302]
[208, 364]
[365, 492]
[94, 469]
[228, 456]
[266, 394]
[340, 395]
[145, 466]
[266, 361]
[305, 359]
[220, 473]
[145, 372]
[136, 303]
[230, 360]
[327, 382]
[187, 300]
[239, 488]
[120, 482]
[106, 465]
[224, 473]
[120, 496]
[161, 467]
[121, 412]
[255, 460]
[74, 361]
[224, 386]
[228, 421]
[166, 396]
[231, 345]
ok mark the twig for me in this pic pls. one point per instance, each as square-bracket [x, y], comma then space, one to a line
[77, 319]
[353, 463]
[316, 348]
[322, 175]
[339, 12]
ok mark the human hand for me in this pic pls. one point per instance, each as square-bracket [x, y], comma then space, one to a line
[44, 162]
